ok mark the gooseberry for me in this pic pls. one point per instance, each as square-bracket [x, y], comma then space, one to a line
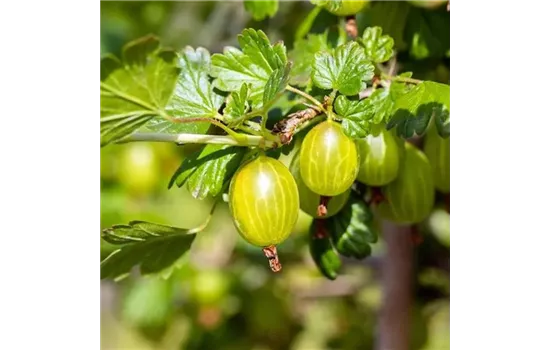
[431, 4]
[379, 158]
[348, 7]
[410, 197]
[264, 202]
[309, 200]
[329, 160]
[438, 151]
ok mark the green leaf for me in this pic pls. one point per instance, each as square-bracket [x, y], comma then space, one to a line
[303, 57]
[330, 5]
[260, 9]
[378, 47]
[148, 303]
[150, 246]
[345, 70]
[237, 104]
[391, 16]
[208, 171]
[135, 89]
[276, 84]
[351, 229]
[193, 97]
[356, 115]
[428, 33]
[253, 65]
[382, 101]
[414, 110]
[320, 247]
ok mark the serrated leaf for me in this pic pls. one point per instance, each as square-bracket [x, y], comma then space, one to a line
[260, 9]
[193, 97]
[351, 229]
[237, 104]
[414, 110]
[148, 303]
[276, 84]
[135, 89]
[303, 57]
[208, 171]
[356, 116]
[389, 15]
[253, 65]
[382, 101]
[152, 247]
[346, 70]
[378, 47]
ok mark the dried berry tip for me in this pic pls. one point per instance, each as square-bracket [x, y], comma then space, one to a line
[322, 208]
[271, 254]
[351, 26]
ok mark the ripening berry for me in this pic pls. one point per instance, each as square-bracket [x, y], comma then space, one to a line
[329, 160]
[263, 199]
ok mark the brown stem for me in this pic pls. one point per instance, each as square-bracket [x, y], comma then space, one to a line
[271, 254]
[351, 26]
[394, 322]
[322, 208]
[286, 127]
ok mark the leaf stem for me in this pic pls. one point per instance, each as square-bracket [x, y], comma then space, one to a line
[244, 140]
[401, 79]
[307, 96]
[238, 137]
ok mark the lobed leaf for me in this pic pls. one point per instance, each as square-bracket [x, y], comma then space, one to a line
[208, 171]
[382, 101]
[378, 47]
[351, 230]
[253, 65]
[347, 69]
[389, 15]
[303, 57]
[414, 110]
[260, 9]
[152, 247]
[237, 104]
[276, 84]
[136, 88]
[356, 115]
[193, 96]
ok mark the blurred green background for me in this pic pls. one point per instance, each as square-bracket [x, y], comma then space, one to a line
[223, 295]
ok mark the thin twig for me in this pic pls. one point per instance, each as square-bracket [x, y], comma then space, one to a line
[287, 127]
[306, 96]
